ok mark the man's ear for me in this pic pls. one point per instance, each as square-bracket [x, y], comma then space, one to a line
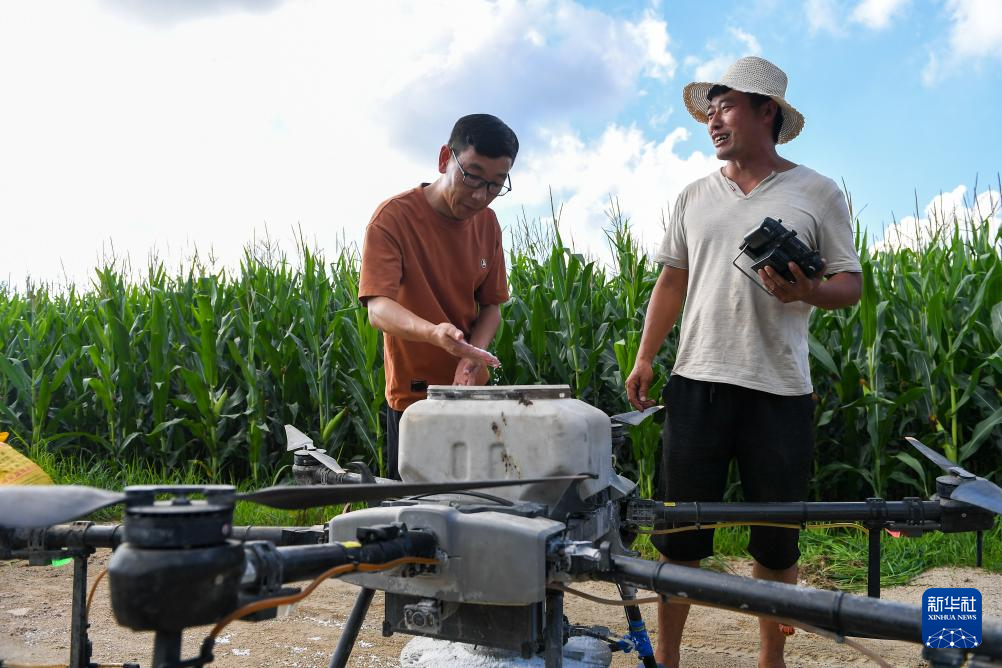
[771, 109]
[444, 155]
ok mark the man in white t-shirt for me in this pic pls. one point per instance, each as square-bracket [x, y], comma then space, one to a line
[740, 389]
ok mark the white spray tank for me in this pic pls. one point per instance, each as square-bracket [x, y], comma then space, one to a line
[514, 431]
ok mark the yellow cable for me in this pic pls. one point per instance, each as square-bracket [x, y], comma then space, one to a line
[276, 601]
[604, 601]
[93, 589]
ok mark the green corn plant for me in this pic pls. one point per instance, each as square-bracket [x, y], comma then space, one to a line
[115, 331]
[203, 368]
[629, 292]
[37, 369]
[645, 439]
[242, 350]
[209, 406]
[159, 335]
[315, 339]
[361, 373]
[14, 381]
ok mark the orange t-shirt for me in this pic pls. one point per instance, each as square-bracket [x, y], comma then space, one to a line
[441, 270]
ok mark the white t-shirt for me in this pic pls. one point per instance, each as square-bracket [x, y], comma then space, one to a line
[732, 330]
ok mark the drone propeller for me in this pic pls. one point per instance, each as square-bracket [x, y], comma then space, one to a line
[635, 418]
[982, 493]
[30, 506]
[296, 440]
[939, 460]
[300, 443]
[972, 489]
[324, 459]
[311, 496]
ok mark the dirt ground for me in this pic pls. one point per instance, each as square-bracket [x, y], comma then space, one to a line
[35, 622]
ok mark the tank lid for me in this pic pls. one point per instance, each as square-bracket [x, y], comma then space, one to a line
[497, 392]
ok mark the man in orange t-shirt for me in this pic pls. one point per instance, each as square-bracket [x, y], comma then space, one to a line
[433, 270]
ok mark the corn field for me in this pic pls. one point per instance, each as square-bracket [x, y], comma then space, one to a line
[202, 368]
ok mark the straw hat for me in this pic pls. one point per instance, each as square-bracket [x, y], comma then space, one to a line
[749, 75]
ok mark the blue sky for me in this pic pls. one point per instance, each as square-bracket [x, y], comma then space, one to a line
[139, 126]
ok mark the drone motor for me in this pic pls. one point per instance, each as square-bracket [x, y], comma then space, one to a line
[173, 548]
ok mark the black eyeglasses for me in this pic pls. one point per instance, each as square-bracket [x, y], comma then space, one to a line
[475, 182]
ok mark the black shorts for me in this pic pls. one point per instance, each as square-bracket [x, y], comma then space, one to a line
[770, 436]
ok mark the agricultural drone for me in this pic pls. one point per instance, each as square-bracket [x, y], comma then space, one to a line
[509, 498]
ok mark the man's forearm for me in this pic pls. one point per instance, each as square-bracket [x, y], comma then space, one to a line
[389, 316]
[662, 311]
[839, 291]
[486, 326]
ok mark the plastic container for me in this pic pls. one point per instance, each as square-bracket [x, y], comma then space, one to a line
[513, 431]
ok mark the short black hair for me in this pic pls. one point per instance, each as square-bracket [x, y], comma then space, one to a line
[757, 101]
[488, 135]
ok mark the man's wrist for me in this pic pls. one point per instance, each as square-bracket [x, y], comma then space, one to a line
[644, 359]
[425, 331]
[480, 343]
[816, 296]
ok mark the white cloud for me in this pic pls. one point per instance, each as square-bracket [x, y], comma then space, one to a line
[752, 47]
[198, 126]
[644, 174]
[932, 70]
[535, 37]
[877, 14]
[975, 35]
[829, 16]
[654, 32]
[160, 13]
[977, 28]
[660, 119]
[712, 68]
[944, 213]
[821, 17]
[589, 67]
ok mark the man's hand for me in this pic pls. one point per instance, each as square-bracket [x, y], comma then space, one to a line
[471, 372]
[638, 384]
[800, 289]
[449, 338]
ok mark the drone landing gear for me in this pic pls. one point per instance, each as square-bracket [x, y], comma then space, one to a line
[873, 560]
[166, 648]
[351, 628]
[80, 646]
[71, 541]
[638, 630]
[553, 647]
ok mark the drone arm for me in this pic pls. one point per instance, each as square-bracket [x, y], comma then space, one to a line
[379, 545]
[22, 543]
[280, 535]
[842, 613]
[646, 512]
